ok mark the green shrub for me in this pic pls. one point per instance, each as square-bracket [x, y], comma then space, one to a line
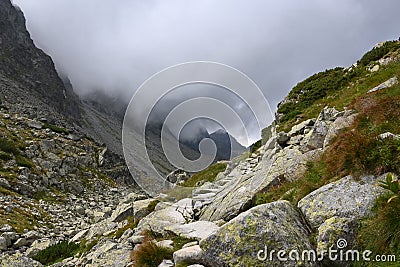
[316, 87]
[381, 233]
[130, 225]
[152, 205]
[5, 156]
[57, 252]
[391, 184]
[256, 146]
[9, 146]
[206, 175]
[24, 162]
[378, 53]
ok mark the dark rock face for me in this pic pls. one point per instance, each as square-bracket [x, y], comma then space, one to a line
[26, 66]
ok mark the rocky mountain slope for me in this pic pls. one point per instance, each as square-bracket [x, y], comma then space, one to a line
[23, 66]
[304, 189]
[312, 183]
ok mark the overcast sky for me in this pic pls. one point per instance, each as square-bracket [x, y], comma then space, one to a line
[116, 45]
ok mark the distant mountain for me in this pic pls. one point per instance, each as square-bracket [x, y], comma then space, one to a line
[224, 141]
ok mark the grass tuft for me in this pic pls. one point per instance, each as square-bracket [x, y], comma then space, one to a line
[149, 254]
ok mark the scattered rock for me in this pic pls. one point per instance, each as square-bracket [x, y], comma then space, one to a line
[166, 263]
[196, 230]
[389, 83]
[282, 139]
[346, 198]
[165, 244]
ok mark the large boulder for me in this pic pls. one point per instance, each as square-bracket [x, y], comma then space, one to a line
[246, 239]
[346, 198]
[195, 230]
[159, 220]
[107, 253]
[335, 233]
[18, 260]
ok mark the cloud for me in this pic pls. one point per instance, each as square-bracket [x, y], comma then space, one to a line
[115, 46]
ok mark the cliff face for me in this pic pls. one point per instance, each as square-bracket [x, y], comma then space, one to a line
[23, 65]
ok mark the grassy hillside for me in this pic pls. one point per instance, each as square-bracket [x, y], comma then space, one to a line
[337, 87]
[359, 149]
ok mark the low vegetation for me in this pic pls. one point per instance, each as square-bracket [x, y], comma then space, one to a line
[55, 128]
[379, 52]
[149, 254]
[63, 250]
[206, 175]
[256, 146]
[336, 87]
[381, 233]
[57, 252]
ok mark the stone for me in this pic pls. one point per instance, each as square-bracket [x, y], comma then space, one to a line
[136, 239]
[388, 135]
[389, 83]
[108, 253]
[166, 263]
[336, 231]
[34, 124]
[273, 226]
[237, 195]
[6, 228]
[337, 126]
[196, 230]
[3, 243]
[185, 207]
[375, 68]
[158, 221]
[79, 236]
[137, 209]
[10, 237]
[142, 208]
[38, 245]
[31, 235]
[122, 212]
[189, 255]
[346, 198]
[298, 129]
[190, 244]
[282, 139]
[73, 137]
[165, 244]
[21, 242]
[5, 184]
